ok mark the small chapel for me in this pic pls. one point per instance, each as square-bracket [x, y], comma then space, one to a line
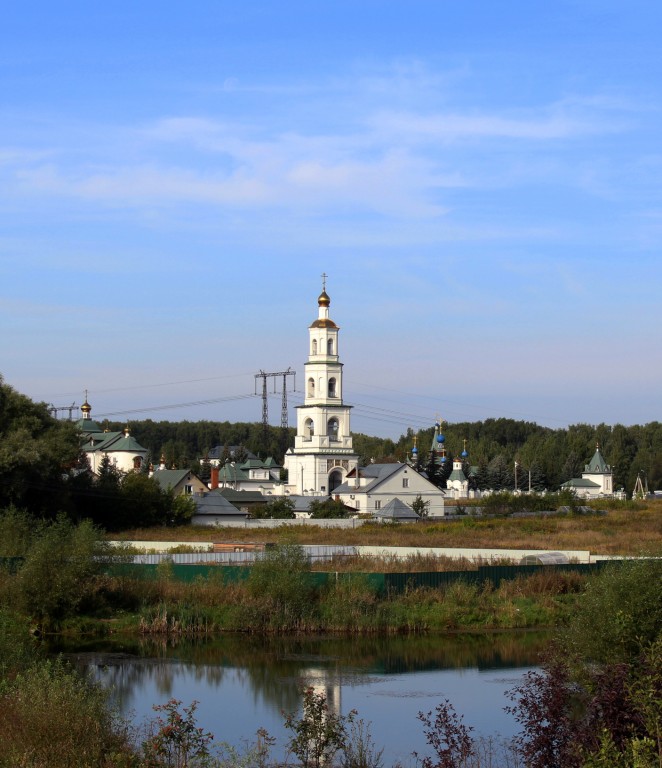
[597, 478]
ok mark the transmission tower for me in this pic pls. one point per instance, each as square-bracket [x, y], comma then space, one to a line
[55, 410]
[265, 406]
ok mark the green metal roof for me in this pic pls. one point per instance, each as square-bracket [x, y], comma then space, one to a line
[88, 425]
[597, 464]
[169, 478]
[580, 482]
[231, 474]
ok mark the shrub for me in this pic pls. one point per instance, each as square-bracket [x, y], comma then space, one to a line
[623, 608]
[448, 736]
[177, 741]
[58, 570]
[360, 750]
[319, 733]
[283, 597]
[54, 717]
[17, 529]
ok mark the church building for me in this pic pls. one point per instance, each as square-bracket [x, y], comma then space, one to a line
[124, 451]
[323, 455]
[597, 478]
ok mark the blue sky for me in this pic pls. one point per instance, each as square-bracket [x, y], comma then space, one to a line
[481, 182]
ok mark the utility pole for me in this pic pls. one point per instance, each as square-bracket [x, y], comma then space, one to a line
[264, 375]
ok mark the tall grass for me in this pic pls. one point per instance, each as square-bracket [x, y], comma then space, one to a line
[53, 717]
[392, 563]
[625, 530]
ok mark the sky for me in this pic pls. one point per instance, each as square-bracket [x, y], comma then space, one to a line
[480, 181]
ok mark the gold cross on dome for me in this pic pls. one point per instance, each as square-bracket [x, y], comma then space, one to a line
[324, 276]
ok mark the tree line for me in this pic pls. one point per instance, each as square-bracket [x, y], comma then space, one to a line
[545, 457]
[41, 463]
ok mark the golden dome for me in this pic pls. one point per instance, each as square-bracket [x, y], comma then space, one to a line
[323, 300]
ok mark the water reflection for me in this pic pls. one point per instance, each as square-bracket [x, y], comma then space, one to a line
[246, 682]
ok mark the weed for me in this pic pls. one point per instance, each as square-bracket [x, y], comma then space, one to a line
[318, 734]
[449, 738]
[176, 741]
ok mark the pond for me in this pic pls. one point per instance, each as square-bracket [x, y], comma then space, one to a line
[243, 683]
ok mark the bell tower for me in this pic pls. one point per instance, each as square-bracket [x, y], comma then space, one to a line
[323, 453]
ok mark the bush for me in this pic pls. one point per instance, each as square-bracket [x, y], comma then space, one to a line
[177, 741]
[58, 570]
[53, 717]
[623, 608]
[319, 733]
[448, 736]
[283, 597]
[17, 648]
[17, 529]
[330, 508]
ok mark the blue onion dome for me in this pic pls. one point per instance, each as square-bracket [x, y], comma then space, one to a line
[441, 439]
[464, 453]
[443, 459]
[414, 449]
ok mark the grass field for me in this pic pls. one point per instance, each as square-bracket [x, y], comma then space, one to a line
[618, 532]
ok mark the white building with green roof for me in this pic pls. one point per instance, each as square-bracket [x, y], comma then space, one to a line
[123, 450]
[597, 478]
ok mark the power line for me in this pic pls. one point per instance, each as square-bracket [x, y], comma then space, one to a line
[151, 386]
[148, 409]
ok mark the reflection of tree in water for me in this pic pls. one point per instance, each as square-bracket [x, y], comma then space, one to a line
[275, 669]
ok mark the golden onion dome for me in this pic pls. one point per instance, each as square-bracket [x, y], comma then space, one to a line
[323, 300]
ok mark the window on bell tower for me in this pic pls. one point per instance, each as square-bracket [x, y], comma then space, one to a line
[332, 428]
[329, 346]
[314, 346]
[311, 387]
[332, 387]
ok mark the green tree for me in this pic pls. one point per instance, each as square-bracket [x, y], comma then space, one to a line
[279, 508]
[37, 455]
[500, 476]
[59, 570]
[329, 508]
[182, 510]
[421, 506]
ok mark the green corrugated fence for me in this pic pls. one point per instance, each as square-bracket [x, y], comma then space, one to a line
[383, 583]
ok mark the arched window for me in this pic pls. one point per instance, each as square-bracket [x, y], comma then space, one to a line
[311, 387]
[332, 428]
[137, 462]
[332, 387]
[329, 346]
[314, 346]
[310, 427]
